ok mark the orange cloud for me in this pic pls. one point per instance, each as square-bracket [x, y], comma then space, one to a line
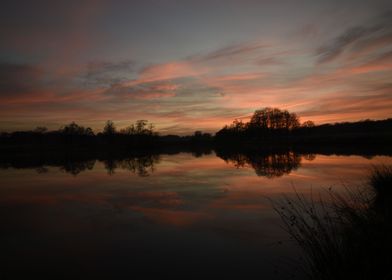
[167, 71]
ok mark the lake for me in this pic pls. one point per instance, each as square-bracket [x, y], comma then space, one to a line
[179, 215]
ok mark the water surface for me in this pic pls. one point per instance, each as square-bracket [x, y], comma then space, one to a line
[178, 215]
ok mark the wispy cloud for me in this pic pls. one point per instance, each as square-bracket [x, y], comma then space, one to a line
[105, 73]
[146, 91]
[331, 51]
[230, 52]
[19, 79]
[371, 35]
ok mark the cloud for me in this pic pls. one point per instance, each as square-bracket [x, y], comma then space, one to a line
[19, 79]
[338, 107]
[24, 84]
[144, 91]
[240, 77]
[230, 52]
[202, 65]
[104, 73]
[167, 71]
[382, 62]
[269, 61]
[329, 52]
[358, 38]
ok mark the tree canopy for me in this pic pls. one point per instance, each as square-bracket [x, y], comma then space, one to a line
[263, 122]
[273, 119]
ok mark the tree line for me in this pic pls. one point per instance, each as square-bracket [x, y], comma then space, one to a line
[272, 126]
[141, 133]
[138, 135]
[266, 127]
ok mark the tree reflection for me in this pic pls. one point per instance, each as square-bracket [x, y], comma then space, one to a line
[141, 165]
[267, 165]
[309, 157]
[75, 167]
[110, 165]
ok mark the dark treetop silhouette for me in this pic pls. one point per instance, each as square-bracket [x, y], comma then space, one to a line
[268, 128]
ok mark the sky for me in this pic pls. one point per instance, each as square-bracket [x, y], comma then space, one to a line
[192, 65]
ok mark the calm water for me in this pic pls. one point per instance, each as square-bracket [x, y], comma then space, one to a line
[177, 215]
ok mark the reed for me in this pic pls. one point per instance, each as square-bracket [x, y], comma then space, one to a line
[343, 236]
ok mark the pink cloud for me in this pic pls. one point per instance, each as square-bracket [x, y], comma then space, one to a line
[168, 71]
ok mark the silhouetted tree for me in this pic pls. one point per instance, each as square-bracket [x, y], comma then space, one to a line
[308, 124]
[73, 129]
[264, 122]
[274, 119]
[88, 131]
[238, 126]
[129, 130]
[40, 129]
[199, 137]
[143, 127]
[109, 128]
[140, 127]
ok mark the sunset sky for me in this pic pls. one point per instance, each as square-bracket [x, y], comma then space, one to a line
[192, 65]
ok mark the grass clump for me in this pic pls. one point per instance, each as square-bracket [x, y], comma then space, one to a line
[381, 179]
[344, 236]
